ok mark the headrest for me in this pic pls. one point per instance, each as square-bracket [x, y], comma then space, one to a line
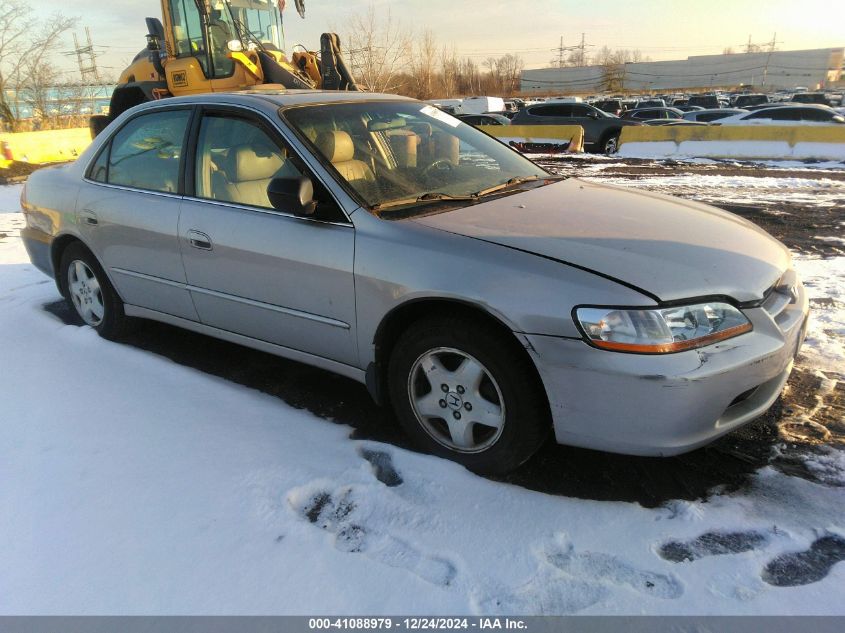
[336, 146]
[244, 163]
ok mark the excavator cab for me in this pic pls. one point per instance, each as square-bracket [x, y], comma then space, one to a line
[218, 46]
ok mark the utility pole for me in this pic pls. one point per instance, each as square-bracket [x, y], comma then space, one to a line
[769, 57]
[561, 49]
[86, 57]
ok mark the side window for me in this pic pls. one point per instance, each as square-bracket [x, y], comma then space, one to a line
[99, 170]
[581, 111]
[811, 114]
[236, 160]
[551, 110]
[783, 114]
[146, 152]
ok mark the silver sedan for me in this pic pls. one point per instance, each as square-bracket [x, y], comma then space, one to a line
[487, 301]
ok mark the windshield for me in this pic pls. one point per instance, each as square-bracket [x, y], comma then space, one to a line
[406, 153]
[259, 20]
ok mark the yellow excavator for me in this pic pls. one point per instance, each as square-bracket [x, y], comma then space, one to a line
[222, 45]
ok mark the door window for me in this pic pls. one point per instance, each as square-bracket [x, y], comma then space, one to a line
[146, 152]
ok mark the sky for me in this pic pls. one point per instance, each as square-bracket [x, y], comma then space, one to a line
[661, 29]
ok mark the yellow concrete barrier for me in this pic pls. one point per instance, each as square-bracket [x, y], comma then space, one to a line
[539, 139]
[735, 141]
[47, 146]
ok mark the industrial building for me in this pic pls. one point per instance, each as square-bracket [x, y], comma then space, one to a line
[775, 70]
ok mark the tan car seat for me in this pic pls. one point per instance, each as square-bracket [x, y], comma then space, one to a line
[338, 148]
[246, 175]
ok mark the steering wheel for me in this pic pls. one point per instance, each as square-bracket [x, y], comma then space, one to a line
[441, 164]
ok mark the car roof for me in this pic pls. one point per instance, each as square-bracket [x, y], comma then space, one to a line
[803, 106]
[283, 97]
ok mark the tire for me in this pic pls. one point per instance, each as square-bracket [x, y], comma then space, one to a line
[610, 144]
[488, 379]
[90, 294]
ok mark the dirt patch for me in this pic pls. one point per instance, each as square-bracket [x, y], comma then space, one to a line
[17, 172]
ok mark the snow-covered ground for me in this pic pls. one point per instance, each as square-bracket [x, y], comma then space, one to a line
[130, 484]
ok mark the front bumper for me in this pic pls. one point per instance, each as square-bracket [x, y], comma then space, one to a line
[673, 403]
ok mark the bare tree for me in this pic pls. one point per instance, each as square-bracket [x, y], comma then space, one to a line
[25, 49]
[378, 50]
[509, 70]
[423, 65]
[449, 70]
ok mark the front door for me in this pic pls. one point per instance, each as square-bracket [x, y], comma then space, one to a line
[259, 271]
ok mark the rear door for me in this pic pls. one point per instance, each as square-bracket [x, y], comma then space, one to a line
[128, 210]
[259, 271]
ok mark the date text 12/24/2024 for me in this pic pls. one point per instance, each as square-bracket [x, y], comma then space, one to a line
[417, 623]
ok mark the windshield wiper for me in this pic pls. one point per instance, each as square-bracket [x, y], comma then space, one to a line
[431, 196]
[518, 180]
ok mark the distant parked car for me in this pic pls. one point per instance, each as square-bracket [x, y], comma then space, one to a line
[645, 114]
[601, 130]
[673, 122]
[650, 103]
[773, 104]
[743, 101]
[613, 106]
[787, 115]
[811, 97]
[484, 119]
[705, 101]
[712, 114]
[687, 108]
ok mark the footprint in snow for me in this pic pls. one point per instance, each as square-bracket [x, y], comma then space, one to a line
[336, 513]
[383, 468]
[545, 594]
[712, 544]
[609, 569]
[803, 568]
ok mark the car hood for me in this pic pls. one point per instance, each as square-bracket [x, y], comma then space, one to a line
[668, 247]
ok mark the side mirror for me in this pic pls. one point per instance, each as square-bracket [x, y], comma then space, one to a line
[592, 115]
[292, 195]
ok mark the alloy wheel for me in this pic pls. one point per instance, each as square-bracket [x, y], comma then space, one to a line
[85, 292]
[456, 400]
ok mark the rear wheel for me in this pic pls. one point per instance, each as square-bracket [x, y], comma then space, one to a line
[462, 392]
[611, 143]
[90, 293]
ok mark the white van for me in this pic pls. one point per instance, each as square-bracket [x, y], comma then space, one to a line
[480, 105]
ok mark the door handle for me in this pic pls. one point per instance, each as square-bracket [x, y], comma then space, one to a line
[200, 240]
[88, 217]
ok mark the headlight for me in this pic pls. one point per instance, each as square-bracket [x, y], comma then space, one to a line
[663, 330]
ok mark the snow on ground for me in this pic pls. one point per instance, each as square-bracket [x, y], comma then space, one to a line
[768, 191]
[10, 198]
[133, 485]
[824, 280]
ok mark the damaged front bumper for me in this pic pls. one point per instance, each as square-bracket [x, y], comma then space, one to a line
[670, 403]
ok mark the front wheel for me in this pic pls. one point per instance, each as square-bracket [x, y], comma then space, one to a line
[462, 392]
[90, 293]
